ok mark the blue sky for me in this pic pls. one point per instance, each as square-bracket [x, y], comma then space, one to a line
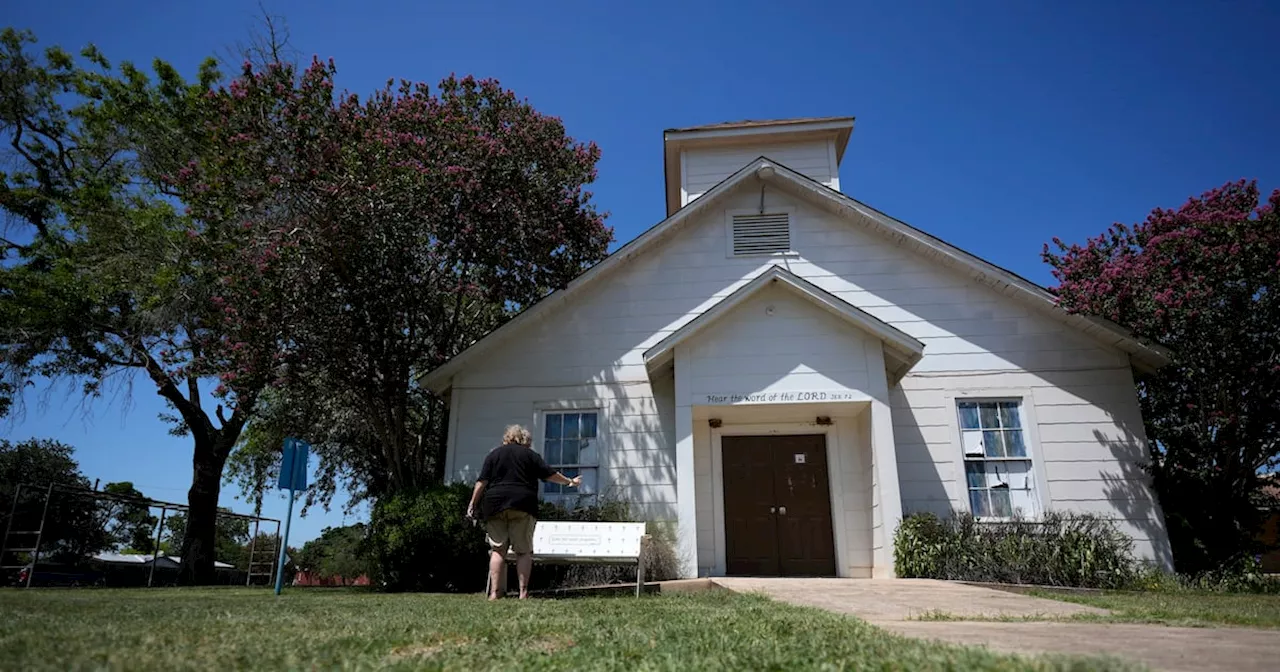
[994, 125]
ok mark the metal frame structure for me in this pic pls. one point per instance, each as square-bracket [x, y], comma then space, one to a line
[100, 496]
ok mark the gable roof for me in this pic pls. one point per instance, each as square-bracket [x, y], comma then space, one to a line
[905, 349]
[1143, 355]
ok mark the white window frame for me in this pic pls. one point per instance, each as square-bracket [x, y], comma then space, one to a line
[791, 232]
[1030, 439]
[542, 410]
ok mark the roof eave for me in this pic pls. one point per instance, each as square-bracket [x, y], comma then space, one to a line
[911, 349]
[1145, 357]
[441, 378]
[1148, 356]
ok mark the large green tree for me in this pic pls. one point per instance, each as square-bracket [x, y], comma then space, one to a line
[230, 540]
[337, 552]
[1201, 280]
[106, 277]
[127, 518]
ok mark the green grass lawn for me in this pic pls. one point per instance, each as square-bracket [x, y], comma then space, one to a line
[1179, 608]
[240, 628]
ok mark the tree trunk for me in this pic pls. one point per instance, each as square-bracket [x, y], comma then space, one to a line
[199, 544]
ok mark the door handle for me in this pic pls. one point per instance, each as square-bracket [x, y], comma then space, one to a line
[782, 510]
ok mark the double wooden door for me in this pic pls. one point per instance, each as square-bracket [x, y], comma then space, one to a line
[777, 506]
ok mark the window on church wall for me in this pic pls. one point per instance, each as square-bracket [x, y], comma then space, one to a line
[570, 445]
[998, 467]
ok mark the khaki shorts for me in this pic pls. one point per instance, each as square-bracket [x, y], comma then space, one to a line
[510, 528]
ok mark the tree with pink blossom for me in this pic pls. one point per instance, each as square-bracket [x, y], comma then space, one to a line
[1202, 281]
[404, 226]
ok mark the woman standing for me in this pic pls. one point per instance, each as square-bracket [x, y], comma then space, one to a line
[507, 492]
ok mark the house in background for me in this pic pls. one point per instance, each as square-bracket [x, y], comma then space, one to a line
[1269, 535]
[784, 372]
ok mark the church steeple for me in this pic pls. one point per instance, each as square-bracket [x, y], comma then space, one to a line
[698, 157]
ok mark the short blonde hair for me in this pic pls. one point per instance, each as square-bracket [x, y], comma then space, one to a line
[517, 434]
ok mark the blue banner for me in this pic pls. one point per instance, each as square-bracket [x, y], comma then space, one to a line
[293, 468]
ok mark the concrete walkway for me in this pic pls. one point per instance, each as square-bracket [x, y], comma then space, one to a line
[898, 604]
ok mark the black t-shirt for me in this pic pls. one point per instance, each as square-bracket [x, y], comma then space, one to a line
[511, 473]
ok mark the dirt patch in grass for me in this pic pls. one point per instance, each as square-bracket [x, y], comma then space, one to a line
[550, 644]
[420, 650]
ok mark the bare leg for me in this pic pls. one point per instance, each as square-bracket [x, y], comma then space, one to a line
[497, 565]
[524, 567]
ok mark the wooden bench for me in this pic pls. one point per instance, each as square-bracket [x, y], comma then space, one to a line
[564, 542]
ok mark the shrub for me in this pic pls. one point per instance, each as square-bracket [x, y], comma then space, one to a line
[421, 541]
[1060, 549]
[1244, 575]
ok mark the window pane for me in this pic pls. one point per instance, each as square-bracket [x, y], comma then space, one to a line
[968, 415]
[974, 473]
[570, 425]
[997, 475]
[1013, 443]
[589, 425]
[588, 486]
[1023, 501]
[551, 451]
[1018, 473]
[990, 416]
[1000, 506]
[569, 451]
[553, 426]
[993, 445]
[1009, 415]
[570, 473]
[587, 452]
[550, 488]
[978, 503]
[972, 441]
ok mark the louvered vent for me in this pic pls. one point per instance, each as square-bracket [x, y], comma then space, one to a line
[767, 233]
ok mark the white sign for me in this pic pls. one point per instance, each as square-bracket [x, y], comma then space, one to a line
[783, 397]
[799, 458]
[575, 539]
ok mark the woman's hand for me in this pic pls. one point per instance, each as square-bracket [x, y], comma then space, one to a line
[575, 481]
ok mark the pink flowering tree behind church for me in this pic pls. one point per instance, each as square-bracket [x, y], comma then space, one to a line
[1201, 280]
[393, 231]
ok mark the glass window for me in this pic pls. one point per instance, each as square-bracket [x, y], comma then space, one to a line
[997, 468]
[569, 441]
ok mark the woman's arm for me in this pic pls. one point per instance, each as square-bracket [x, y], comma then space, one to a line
[475, 498]
[565, 480]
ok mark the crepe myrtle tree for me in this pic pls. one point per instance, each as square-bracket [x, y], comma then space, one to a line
[1201, 280]
[421, 220]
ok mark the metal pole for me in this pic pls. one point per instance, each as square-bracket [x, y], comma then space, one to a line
[155, 552]
[253, 541]
[35, 554]
[271, 575]
[8, 526]
[284, 543]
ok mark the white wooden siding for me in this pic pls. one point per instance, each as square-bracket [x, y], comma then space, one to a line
[797, 347]
[973, 335]
[705, 168]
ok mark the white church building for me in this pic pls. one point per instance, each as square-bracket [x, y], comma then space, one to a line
[785, 372]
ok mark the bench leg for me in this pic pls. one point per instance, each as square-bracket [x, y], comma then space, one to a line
[640, 575]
